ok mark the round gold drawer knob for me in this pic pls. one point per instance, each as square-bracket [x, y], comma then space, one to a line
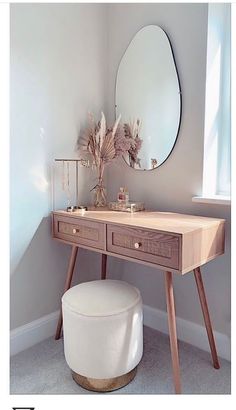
[137, 245]
[75, 230]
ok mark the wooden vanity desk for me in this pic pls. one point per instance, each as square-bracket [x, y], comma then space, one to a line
[168, 241]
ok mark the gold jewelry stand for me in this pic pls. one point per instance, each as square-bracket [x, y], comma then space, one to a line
[84, 163]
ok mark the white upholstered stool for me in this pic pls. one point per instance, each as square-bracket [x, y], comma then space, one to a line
[103, 333]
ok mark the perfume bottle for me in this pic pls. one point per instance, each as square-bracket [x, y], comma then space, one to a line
[126, 196]
[121, 195]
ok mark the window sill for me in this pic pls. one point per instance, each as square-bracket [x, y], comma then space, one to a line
[215, 200]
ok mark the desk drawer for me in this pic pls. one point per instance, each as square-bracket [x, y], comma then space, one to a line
[155, 247]
[81, 232]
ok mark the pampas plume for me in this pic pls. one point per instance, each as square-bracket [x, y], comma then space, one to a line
[104, 144]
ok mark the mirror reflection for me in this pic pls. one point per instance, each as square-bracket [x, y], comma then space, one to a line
[148, 98]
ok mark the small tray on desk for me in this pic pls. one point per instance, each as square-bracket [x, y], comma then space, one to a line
[126, 207]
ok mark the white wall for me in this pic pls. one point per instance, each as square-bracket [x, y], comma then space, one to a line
[57, 74]
[172, 186]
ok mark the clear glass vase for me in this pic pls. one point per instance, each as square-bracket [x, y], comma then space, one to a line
[100, 198]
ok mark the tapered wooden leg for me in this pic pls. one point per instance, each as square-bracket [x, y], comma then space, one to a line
[172, 330]
[207, 320]
[104, 266]
[69, 276]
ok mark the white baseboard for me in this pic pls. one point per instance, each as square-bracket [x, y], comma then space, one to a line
[28, 335]
[188, 332]
[32, 333]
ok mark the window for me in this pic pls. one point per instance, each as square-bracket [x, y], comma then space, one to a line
[216, 170]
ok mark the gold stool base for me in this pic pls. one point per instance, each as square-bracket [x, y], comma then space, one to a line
[104, 385]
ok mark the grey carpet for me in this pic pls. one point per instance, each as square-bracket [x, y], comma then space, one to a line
[42, 370]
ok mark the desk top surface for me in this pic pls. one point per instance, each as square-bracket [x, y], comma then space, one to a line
[163, 221]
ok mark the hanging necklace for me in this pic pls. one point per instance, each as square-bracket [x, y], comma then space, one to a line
[63, 176]
[68, 184]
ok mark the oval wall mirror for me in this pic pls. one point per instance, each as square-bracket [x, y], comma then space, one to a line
[148, 97]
